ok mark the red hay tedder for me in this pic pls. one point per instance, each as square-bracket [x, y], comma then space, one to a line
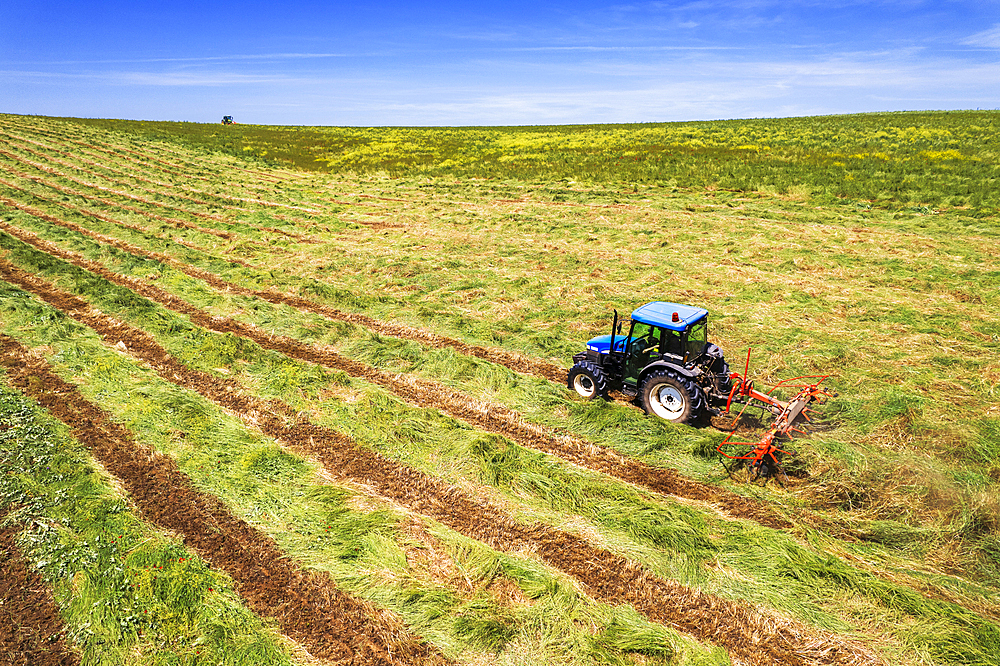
[760, 456]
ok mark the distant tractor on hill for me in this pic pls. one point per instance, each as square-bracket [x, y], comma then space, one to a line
[228, 120]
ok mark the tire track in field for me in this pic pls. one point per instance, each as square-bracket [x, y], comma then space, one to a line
[310, 609]
[31, 630]
[152, 202]
[750, 635]
[142, 179]
[486, 416]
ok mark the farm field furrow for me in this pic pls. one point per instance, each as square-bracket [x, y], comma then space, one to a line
[31, 631]
[486, 416]
[357, 347]
[328, 622]
[140, 286]
[607, 576]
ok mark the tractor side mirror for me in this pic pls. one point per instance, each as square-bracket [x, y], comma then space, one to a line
[619, 327]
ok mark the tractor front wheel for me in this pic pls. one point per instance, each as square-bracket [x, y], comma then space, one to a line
[587, 379]
[672, 397]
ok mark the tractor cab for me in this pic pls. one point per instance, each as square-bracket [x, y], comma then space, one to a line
[664, 332]
[665, 360]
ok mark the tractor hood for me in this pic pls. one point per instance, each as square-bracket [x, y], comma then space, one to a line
[602, 343]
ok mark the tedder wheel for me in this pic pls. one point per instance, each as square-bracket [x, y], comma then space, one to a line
[671, 397]
[587, 379]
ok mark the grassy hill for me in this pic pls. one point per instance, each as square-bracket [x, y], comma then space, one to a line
[295, 395]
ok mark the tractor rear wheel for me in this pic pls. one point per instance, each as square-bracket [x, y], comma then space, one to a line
[587, 379]
[672, 397]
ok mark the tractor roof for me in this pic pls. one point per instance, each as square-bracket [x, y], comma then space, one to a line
[659, 313]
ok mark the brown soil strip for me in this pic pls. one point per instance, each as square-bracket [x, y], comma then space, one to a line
[151, 202]
[480, 414]
[31, 630]
[750, 635]
[327, 621]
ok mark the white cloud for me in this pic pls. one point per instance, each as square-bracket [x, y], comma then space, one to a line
[987, 38]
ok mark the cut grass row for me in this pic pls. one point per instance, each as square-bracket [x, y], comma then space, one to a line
[109, 156]
[87, 166]
[515, 362]
[31, 631]
[127, 592]
[896, 602]
[410, 359]
[901, 400]
[895, 159]
[149, 197]
[490, 417]
[351, 538]
[123, 145]
[744, 632]
[455, 370]
[329, 623]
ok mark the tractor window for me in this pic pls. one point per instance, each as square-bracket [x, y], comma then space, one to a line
[697, 338]
[644, 336]
[672, 343]
[643, 343]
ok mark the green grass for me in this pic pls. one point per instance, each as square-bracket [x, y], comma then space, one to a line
[315, 522]
[916, 159]
[673, 541]
[127, 592]
[888, 279]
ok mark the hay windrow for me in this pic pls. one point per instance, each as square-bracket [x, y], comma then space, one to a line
[134, 176]
[310, 609]
[750, 635]
[481, 414]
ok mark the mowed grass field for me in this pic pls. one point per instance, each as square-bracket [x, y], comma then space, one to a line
[296, 395]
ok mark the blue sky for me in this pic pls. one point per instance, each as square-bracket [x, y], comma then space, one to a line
[514, 63]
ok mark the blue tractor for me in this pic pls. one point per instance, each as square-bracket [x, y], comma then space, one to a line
[665, 361]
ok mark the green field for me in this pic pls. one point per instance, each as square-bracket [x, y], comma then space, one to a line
[345, 347]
